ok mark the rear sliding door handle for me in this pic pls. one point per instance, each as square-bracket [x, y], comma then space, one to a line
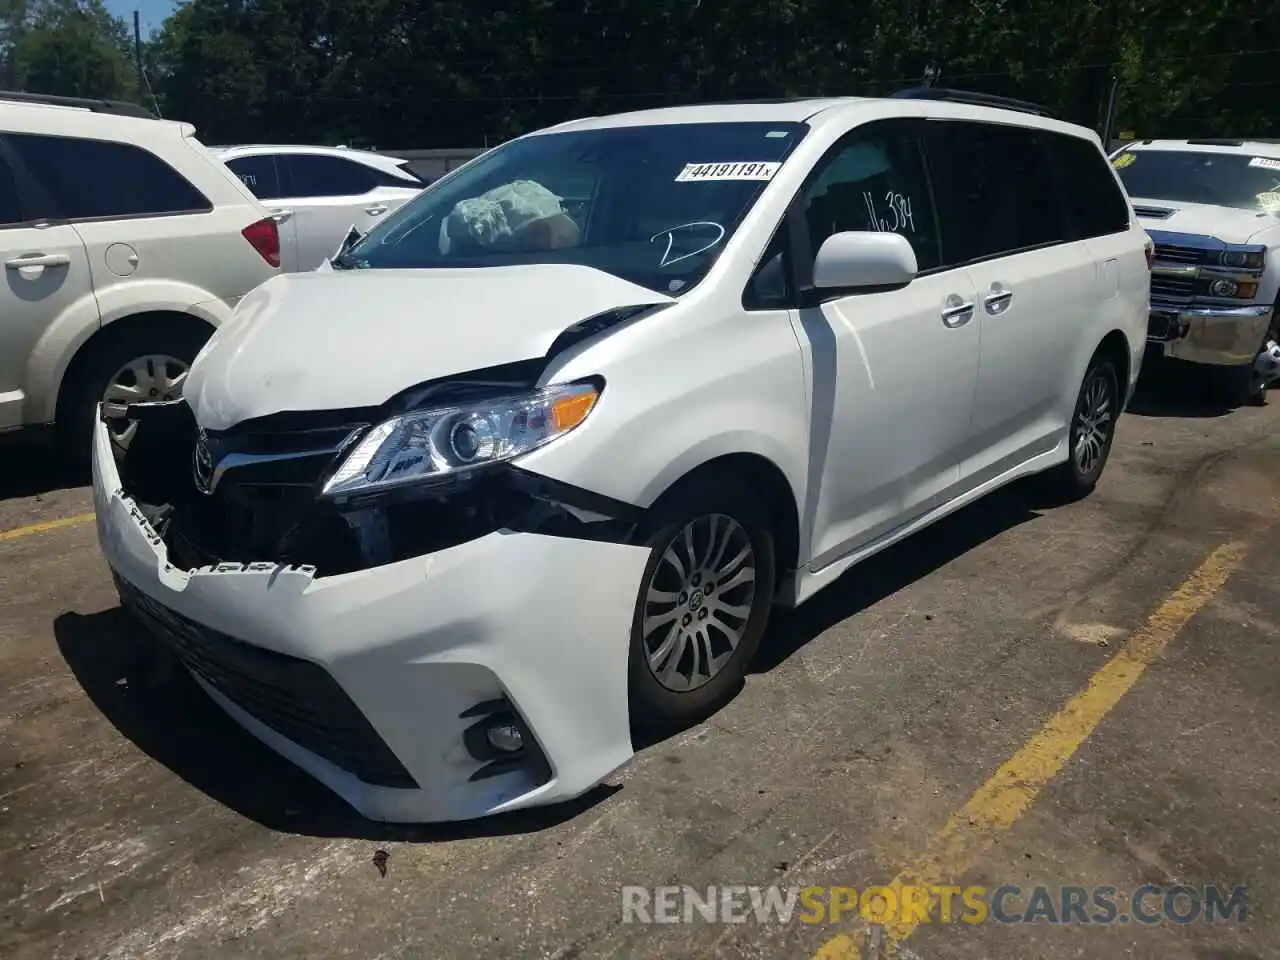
[998, 300]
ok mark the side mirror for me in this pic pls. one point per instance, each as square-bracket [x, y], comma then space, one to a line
[858, 258]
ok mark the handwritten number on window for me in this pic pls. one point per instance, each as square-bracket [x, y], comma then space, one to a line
[896, 216]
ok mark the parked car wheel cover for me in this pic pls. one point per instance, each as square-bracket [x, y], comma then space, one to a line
[150, 378]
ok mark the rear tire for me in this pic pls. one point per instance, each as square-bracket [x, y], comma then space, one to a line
[1089, 439]
[77, 410]
[704, 602]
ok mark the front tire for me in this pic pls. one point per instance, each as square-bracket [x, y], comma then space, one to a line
[1093, 427]
[703, 605]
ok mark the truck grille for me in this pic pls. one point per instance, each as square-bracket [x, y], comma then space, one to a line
[1175, 253]
[1173, 287]
[296, 698]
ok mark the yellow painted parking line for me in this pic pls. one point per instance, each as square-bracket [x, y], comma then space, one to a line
[1008, 794]
[45, 527]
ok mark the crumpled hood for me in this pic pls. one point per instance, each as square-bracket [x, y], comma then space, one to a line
[341, 339]
[1201, 219]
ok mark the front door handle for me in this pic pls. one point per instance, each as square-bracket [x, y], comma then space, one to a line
[39, 260]
[957, 311]
[280, 216]
[377, 210]
[998, 300]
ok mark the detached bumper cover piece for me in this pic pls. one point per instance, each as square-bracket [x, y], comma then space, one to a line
[1221, 336]
[371, 680]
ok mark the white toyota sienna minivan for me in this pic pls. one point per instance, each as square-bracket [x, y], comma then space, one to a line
[528, 465]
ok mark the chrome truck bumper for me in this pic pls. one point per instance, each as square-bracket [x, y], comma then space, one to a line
[1216, 336]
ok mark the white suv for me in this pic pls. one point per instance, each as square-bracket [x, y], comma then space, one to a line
[318, 194]
[533, 461]
[1213, 209]
[124, 245]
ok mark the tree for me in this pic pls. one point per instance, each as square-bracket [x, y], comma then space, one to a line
[404, 73]
[66, 47]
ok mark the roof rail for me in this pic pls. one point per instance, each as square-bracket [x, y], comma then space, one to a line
[969, 97]
[119, 107]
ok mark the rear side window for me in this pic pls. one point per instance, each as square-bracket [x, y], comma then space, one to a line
[259, 174]
[90, 179]
[1095, 204]
[320, 176]
[996, 190]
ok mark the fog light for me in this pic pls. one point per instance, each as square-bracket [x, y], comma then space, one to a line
[505, 737]
[1223, 288]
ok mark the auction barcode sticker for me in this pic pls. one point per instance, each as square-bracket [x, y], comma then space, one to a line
[742, 170]
[1265, 162]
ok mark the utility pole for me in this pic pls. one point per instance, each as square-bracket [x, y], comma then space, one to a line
[1109, 122]
[137, 55]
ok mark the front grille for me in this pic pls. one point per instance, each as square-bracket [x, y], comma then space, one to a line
[1176, 253]
[266, 505]
[1173, 287]
[296, 698]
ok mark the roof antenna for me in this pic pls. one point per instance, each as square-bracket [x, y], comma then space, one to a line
[144, 84]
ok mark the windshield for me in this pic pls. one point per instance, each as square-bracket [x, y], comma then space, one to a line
[1192, 176]
[654, 205]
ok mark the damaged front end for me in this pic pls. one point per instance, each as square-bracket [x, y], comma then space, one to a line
[407, 646]
[256, 492]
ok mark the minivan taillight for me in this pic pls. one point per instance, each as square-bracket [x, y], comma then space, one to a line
[264, 236]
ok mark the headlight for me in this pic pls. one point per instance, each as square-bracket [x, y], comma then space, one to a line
[449, 440]
[1251, 259]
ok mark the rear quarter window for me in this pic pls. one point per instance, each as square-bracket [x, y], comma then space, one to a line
[1095, 204]
[101, 179]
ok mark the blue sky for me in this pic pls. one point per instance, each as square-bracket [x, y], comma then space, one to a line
[152, 12]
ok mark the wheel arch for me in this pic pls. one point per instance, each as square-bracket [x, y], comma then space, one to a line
[1115, 347]
[767, 480]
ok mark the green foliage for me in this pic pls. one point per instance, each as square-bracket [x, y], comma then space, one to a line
[67, 47]
[406, 73]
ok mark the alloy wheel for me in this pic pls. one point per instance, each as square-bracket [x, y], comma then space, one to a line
[1093, 423]
[698, 602]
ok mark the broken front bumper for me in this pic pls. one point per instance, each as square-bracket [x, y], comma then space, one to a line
[382, 683]
[1219, 336]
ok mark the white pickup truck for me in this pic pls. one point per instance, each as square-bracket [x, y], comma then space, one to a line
[1212, 210]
